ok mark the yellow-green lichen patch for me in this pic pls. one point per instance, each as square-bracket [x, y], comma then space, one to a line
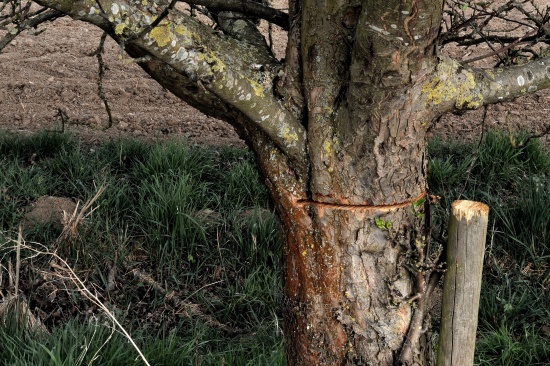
[162, 35]
[328, 110]
[214, 61]
[328, 147]
[181, 30]
[467, 95]
[119, 28]
[449, 84]
[439, 90]
[490, 74]
[289, 136]
[328, 152]
[188, 36]
[258, 89]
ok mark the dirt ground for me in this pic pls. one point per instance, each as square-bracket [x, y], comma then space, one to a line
[40, 75]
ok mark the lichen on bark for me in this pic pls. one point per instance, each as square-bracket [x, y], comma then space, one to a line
[452, 85]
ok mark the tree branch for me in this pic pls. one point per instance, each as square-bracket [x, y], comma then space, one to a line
[249, 8]
[502, 49]
[508, 83]
[100, 74]
[239, 27]
[28, 24]
[454, 87]
[240, 75]
[520, 27]
[467, 40]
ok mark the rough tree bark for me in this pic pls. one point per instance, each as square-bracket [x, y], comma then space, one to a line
[339, 131]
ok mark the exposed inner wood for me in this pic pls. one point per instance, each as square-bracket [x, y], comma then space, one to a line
[335, 206]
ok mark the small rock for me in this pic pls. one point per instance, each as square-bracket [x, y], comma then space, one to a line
[257, 213]
[49, 210]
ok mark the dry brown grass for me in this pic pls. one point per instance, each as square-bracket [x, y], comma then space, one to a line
[15, 303]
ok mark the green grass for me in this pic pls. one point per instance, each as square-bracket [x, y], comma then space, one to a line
[193, 220]
[187, 344]
[196, 222]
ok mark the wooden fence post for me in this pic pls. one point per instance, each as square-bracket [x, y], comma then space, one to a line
[462, 283]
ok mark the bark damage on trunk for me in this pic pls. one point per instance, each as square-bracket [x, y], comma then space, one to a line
[347, 290]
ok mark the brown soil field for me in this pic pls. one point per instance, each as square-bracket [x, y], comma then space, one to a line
[40, 75]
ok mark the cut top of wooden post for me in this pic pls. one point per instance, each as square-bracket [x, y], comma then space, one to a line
[468, 209]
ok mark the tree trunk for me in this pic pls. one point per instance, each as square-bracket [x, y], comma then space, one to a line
[346, 287]
[354, 286]
[353, 224]
[339, 131]
[355, 249]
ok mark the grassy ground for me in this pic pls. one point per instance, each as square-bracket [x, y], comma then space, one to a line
[183, 250]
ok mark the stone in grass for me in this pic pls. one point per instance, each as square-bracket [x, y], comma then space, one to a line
[209, 217]
[258, 213]
[48, 210]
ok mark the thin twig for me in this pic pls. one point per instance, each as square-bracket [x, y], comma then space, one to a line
[270, 36]
[28, 24]
[156, 22]
[100, 73]
[18, 259]
[500, 50]
[81, 286]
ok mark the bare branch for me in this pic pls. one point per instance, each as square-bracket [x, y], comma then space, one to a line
[512, 30]
[241, 75]
[239, 27]
[248, 8]
[100, 74]
[29, 23]
[502, 49]
[508, 83]
[454, 87]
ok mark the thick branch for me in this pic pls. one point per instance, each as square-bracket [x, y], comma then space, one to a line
[249, 8]
[468, 40]
[239, 27]
[514, 81]
[239, 74]
[454, 87]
